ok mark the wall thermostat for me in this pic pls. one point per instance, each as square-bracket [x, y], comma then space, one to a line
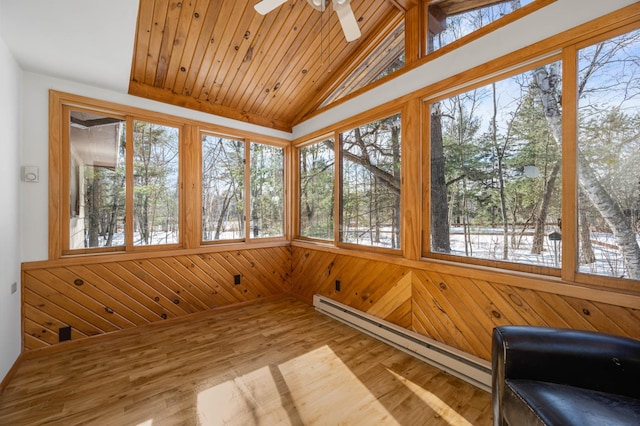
[30, 174]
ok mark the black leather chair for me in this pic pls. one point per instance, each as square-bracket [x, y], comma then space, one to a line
[553, 376]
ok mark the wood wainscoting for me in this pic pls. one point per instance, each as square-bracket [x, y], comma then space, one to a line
[456, 306]
[94, 296]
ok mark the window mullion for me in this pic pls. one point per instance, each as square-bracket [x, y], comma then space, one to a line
[129, 185]
[569, 212]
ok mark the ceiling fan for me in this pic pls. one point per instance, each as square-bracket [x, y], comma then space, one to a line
[341, 7]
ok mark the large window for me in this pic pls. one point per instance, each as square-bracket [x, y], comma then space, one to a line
[99, 159]
[223, 165]
[316, 179]
[495, 170]
[370, 184]
[128, 180]
[608, 157]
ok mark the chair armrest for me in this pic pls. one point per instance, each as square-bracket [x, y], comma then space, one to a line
[584, 359]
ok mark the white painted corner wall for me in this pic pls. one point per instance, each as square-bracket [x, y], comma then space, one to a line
[10, 107]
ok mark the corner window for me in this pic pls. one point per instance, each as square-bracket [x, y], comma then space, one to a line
[106, 155]
[316, 179]
[97, 176]
[370, 184]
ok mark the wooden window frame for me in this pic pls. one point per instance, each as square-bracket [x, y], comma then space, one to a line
[295, 172]
[567, 52]
[190, 203]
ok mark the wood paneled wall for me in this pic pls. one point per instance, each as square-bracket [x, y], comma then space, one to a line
[457, 309]
[97, 297]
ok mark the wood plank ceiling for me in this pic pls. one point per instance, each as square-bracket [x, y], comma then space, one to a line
[223, 57]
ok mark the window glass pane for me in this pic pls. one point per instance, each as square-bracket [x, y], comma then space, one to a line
[495, 170]
[608, 157]
[96, 180]
[450, 21]
[316, 190]
[155, 184]
[222, 188]
[267, 191]
[370, 208]
[386, 59]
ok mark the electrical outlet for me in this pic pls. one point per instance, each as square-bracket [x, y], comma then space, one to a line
[14, 287]
[337, 285]
[236, 279]
[64, 333]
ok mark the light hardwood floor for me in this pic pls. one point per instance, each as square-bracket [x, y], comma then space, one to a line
[273, 363]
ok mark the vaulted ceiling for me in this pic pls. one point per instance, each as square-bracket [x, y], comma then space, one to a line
[225, 58]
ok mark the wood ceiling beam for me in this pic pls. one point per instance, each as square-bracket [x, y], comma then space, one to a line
[161, 95]
[404, 5]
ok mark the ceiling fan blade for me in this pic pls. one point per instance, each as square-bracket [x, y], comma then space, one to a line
[347, 19]
[266, 6]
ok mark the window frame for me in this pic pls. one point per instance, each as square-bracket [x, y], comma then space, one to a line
[567, 52]
[64, 179]
[296, 179]
[189, 177]
[426, 171]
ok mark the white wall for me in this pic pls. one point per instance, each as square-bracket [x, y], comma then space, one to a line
[10, 84]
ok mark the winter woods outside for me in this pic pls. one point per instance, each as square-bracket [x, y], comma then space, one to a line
[495, 172]
[497, 152]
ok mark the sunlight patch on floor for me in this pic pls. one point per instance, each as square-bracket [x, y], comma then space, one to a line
[440, 407]
[326, 391]
[250, 399]
[309, 389]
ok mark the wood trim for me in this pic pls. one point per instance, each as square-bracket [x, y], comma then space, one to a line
[55, 175]
[413, 33]
[425, 173]
[161, 95]
[191, 187]
[411, 188]
[569, 202]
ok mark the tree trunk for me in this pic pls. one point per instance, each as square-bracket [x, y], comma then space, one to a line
[586, 248]
[610, 210]
[500, 156]
[440, 241]
[541, 219]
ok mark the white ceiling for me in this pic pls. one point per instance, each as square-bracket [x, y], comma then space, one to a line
[87, 41]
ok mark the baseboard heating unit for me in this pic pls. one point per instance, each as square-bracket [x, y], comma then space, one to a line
[467, 367]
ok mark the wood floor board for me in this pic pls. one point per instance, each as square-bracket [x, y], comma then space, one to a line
[277, 362]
